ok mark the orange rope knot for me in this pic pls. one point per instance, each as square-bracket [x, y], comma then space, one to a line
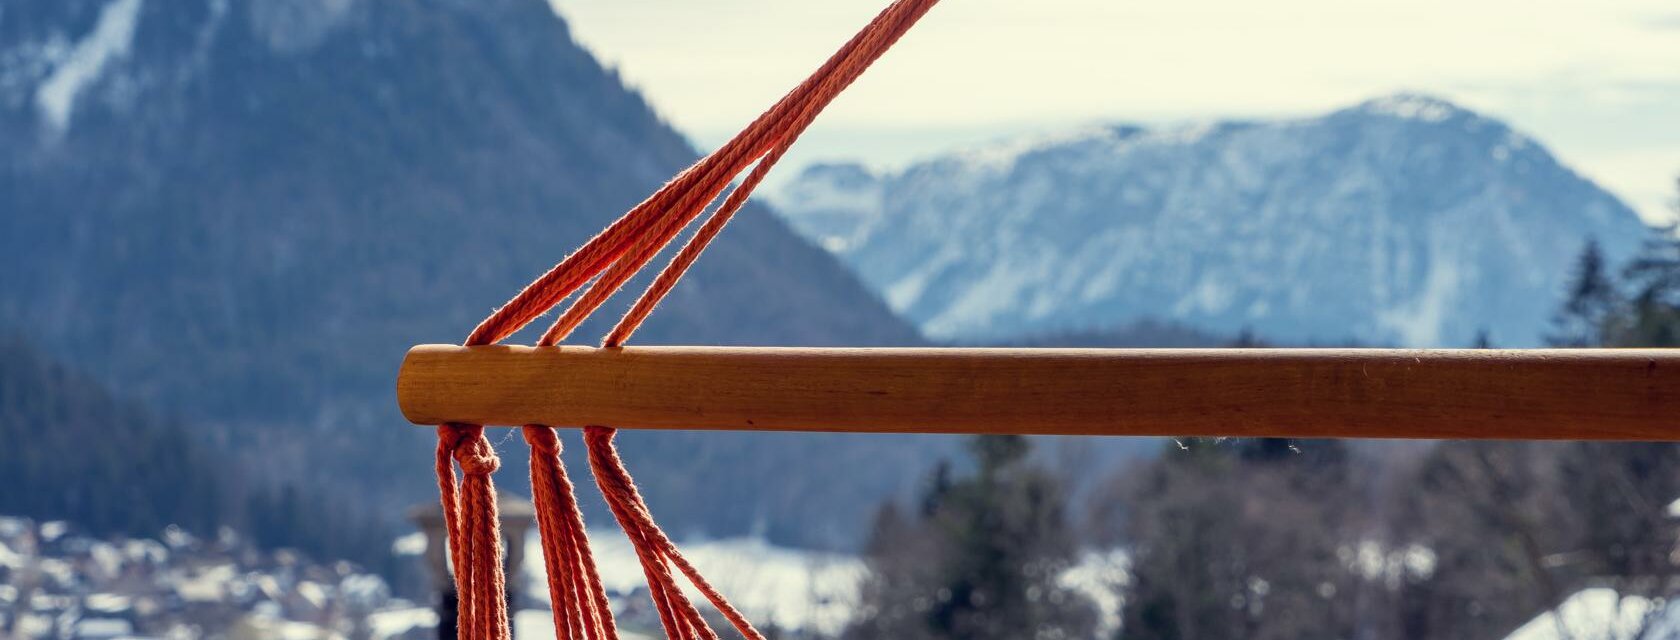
[451, 436]
[477, 458]
[542, 439]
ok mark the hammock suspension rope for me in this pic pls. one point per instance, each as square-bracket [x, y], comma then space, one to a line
[579, 601]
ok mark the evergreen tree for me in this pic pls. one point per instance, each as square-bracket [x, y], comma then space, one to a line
[1314, 456]
[1246, 339]
[1619, 493]
[1652, 318]
[982, 560]
[1238, 539]
[1590, 305]
[1488, 513]
[1484, 339]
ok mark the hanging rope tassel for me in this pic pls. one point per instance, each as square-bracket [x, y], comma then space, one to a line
[612, 258]
[677, 613]
[475, 534]
[633, 515]
[581, 610]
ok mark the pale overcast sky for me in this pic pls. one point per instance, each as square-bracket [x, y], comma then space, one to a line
[1598, 81]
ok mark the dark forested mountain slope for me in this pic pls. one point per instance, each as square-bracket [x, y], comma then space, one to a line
[76, 451]
[73, 451]
[245, 211]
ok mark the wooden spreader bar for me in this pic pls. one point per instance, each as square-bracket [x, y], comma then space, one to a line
[1585, 394]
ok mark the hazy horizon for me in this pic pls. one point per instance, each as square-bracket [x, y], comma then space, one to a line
[1595, 83]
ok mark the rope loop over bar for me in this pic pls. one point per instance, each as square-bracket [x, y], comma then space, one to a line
[611, 259]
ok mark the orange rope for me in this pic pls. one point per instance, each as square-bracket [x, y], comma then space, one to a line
[874, 40]
[578, 598]
[612, 258]
[475, 531]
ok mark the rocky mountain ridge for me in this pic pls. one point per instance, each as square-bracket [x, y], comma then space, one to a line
[1404, 220]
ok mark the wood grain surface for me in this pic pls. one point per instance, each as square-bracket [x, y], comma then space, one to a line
[1587, 394]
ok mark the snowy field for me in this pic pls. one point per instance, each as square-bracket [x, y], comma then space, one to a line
[790, 588]
[1603, 614]
[793, 589]
[816, 591]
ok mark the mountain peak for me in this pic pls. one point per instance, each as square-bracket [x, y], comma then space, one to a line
[1002, 154]
[1412, 106]
[845, 174]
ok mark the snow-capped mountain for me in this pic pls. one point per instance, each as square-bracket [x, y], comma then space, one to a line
[1403, 220]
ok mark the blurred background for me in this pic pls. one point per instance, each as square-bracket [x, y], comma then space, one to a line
[222, 223]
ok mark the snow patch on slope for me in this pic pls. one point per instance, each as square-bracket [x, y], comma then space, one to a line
[293, 26]
[1603, 614]
[841, 202]
[1001, 156]
[1412, 106]
[1422, 319]
[110, 39]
